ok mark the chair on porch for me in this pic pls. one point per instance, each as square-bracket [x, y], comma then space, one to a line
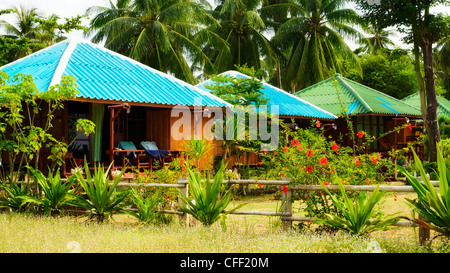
[130, 151]
[165, 156]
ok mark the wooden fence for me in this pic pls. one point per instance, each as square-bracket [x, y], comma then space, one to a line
[286, 213]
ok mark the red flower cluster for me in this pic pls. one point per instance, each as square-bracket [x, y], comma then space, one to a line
[335, 147]
[285, 189]
[323, 160]
[318, 124]
[310, 153]
[294, 142]
[309, 169]
[360, 134]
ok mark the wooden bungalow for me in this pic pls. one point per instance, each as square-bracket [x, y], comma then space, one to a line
[126, 100]
[371, 111]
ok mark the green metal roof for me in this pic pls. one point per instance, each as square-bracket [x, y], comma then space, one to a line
[443, 109]
[356, 98]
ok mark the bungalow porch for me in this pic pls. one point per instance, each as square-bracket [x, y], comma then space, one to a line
[126, 100]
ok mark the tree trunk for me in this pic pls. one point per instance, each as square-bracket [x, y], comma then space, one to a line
[423, 100]
[431, 123]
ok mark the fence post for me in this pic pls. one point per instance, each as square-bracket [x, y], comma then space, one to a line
[286, 207]
[184, 217]
[424, 234]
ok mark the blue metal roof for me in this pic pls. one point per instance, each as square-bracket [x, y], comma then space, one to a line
[102, 74]
[288, 104]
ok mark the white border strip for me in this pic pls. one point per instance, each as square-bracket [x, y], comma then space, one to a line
[63, 61]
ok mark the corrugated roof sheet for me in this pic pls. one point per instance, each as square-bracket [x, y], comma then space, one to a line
[355, 98]
[289, 105]
[102, 74]
[443, 108]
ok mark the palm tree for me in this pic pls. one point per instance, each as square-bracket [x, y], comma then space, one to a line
[22, 35]
[313, 39]
[25, 25]
[161, 34]
[241, 27]
[443, 63]
[274, 18]
[378, 39]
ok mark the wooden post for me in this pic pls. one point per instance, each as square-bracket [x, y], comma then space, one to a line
[286, 208]
[424, 233]
[184, 217]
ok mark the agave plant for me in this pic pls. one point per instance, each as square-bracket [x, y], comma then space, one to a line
[434, 206]
[103, 199]
[57, 193]
[197, 149]
[359, 216]
[14, 196]
[147, 207]
[209, 201]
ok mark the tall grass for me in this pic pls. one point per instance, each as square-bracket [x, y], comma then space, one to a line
[22, 233]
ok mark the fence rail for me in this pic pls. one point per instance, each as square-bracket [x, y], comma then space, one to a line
[286, 214]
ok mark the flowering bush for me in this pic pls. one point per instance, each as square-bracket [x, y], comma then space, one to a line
[306, 157]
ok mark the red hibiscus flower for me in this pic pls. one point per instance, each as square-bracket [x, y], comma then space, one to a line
[335, 147]
[323, 161]
[360, 134]
[318, 124]
[183, 169]
[326, 183]
[294, 142]
[367, 181]
[285, 189]
[357, 162]
[410, 126]
[265, 151]
[310, 153]
[285, 148]
[374, 160]
[260, 163]
[309, 169]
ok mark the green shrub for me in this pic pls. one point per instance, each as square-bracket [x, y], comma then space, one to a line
[15, 194]
[147, 208]
[359, 216]
[209, 201]
[434, 206]
[57, 193]
[103, 199]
